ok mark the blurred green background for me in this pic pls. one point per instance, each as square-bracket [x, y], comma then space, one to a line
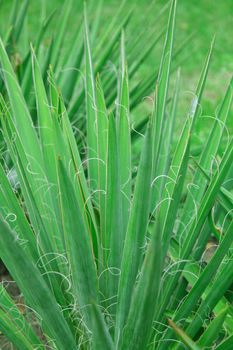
[205, 18]
[202, 18]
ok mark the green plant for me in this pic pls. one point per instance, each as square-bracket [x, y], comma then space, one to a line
[104, 256]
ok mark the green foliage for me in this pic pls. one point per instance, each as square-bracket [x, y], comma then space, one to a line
[107, 257]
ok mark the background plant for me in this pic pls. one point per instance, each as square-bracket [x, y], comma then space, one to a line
[103, 255]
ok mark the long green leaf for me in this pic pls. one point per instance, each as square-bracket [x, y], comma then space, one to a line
[145, 297]
[211, 333]
[113, 213]
[34, 288]
[91, 112]
[77, 245]
[15, 326]
[136, 232]
[124, 140]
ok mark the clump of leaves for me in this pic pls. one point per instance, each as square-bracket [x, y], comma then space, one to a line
[106, 258]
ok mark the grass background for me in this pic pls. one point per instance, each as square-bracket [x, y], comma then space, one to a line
[205, 18]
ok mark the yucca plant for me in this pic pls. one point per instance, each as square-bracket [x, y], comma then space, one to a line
[107, 257]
